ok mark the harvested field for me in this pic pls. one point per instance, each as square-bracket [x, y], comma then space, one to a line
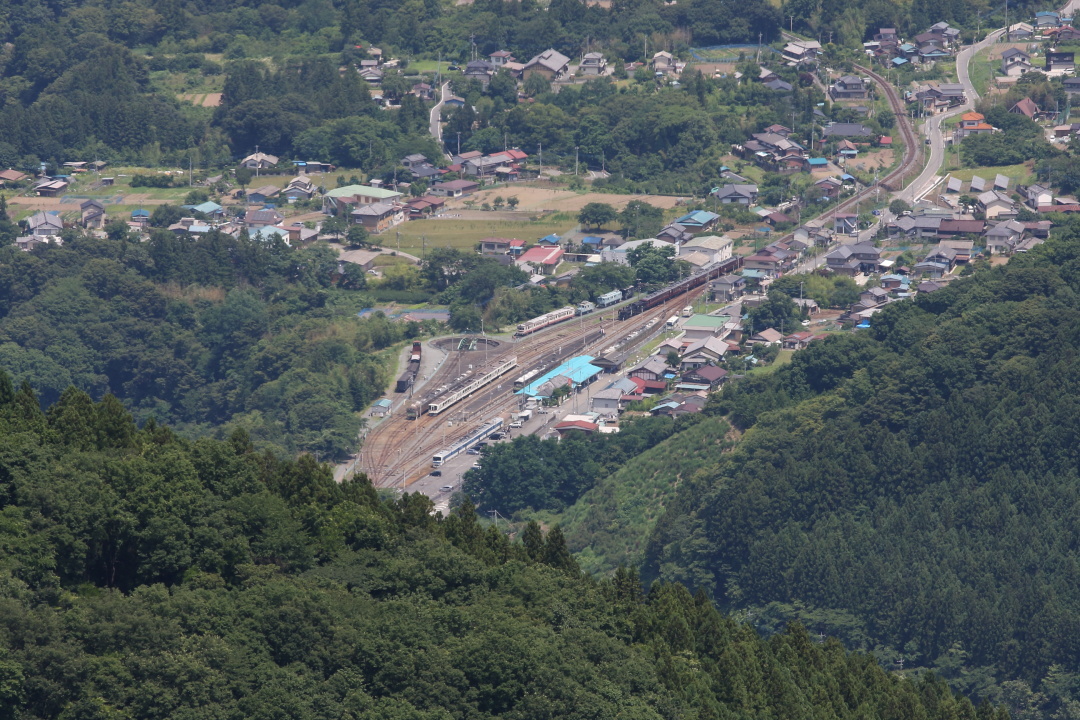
[537, 199]
[202, 99]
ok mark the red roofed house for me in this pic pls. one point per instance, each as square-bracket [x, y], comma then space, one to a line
[576, 425]
[543, 260]
[1026, 107]
[885, 141]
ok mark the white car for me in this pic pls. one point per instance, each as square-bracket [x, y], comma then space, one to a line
[447, 488]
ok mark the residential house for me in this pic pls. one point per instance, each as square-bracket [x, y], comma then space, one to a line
[698, 220]
[1060, 62]
[92, 215]
[849, 87]
[845, 223]
[674, 233]
[706, 351]
[940, 97]
[950, 228]
[846, 130]
[423, 91]
[619, 253]
[736, 194]
[258, 219]
[996, 204]
[718, 247]
[1072, 85]
[541, 260]
[1015, 62]
[653, 368]
[874, 296]
[700, 327]
[779, 85]
[263, 194]
[727, 288]
[481, 71]
[454, 188]
[814, 234]
[940, 261]
[801, 52]
[830, 187]
[299, 188]
[140, 216]
[854, 259]
[552, 64]
[500, 58]
[607, 401]
[414, 160]
[1004, 237]
[915, 226]
[766, 75]
[708, 376]
[494, 246]
[378, 217]
[972, 123]
[42, 223]
[800, 340]
[210, 209]
[664, 62]
[768, 336]
[593, 64]
[259, 161]
[763, 264]
[51, 187]
[12, 176]
[1037, 195]
[1025, 107]
[342, 200]
[424, 206]
[1020, 31]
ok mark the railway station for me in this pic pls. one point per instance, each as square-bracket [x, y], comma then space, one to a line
[577, 371]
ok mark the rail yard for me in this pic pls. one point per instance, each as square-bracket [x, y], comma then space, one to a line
[473, 388]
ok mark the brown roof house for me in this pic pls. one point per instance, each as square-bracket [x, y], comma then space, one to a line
[552, 64]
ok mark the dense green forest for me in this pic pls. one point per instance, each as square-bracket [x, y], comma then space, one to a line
[205, 333]
[912, 488]
[149, 576]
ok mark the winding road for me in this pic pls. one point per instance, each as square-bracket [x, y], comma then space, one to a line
[932, 127]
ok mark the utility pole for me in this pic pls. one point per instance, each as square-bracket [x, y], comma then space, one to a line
[459, 142]
[575, 160]
[540, 175]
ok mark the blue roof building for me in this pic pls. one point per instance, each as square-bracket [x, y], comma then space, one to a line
[819, 162]
[140, 213]
[897, 62]
[552, 239]
[591, 240]
[698, 219]
[208, 208]
[576, 371]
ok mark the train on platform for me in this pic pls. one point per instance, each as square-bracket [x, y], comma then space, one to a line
[546, 320]
[412, 369]
[679, 288]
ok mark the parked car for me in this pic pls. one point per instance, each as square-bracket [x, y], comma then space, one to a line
[436, 473]
[472, 451]
[447, 488]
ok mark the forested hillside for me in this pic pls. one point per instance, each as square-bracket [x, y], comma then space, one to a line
[206, 333]
[149, 576]
[913, 488]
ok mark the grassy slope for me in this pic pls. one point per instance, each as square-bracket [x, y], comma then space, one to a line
[610, 524]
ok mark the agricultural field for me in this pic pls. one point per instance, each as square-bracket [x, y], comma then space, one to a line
[1021, 174]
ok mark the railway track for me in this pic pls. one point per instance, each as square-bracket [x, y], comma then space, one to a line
[399, 451]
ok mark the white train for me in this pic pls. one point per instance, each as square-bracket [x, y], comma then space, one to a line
[485, 376]
[539, 323]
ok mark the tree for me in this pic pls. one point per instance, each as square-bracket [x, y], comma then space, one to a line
[243, 176]
[513, 202]
[536, 84]
[640, 219]
[353, 277]
[498, 202]
[335, 225]
[597, 215]
[672, 358]
[357, 235]
[898, 207]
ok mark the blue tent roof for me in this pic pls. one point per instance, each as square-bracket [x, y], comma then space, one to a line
[552, 239]
[591, 240]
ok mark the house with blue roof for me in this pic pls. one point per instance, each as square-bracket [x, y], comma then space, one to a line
[592, 240]
[818, 163]
[140, 216]
[698, 220]
[552, 239]
[209, 208]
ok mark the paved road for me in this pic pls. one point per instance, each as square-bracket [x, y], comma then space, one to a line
[435, 123]
[932, 127]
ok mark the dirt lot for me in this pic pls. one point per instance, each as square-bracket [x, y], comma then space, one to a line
[202, 99]
[872, 160]
[534, 199]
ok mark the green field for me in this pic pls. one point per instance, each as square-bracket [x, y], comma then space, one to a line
[463, 234]
[981, 74]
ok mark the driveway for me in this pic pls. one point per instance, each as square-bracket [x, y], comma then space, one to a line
[435, 123]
